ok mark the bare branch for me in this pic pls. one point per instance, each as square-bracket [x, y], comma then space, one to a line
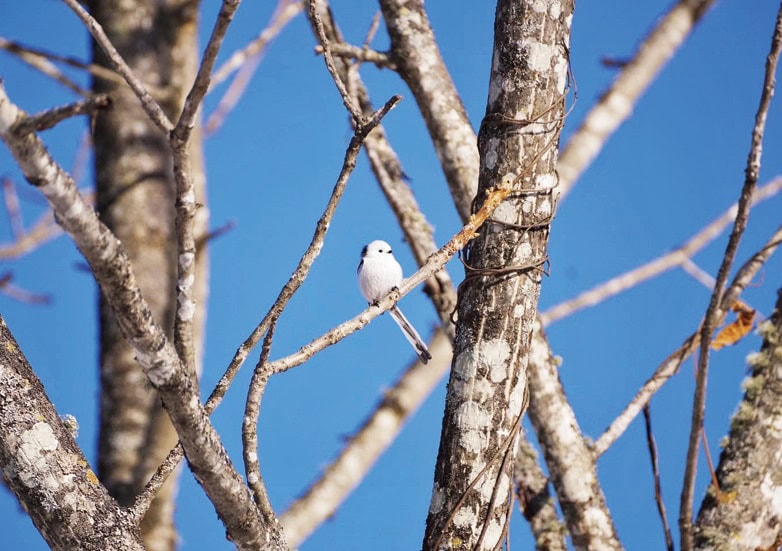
[698, 274]
[285, 11]
[415, 52]
[42, 64]
[658, 494]
[671, 364]
[12, 207]
[350, 105]
[713, 313]
[151, 107]
[71, 509]
[361, 53]
[570, 462]
[25, 52]
[435, 263]
[676, 257]
[246, 62]
[535, 501]
[51, 117]
[156, 355]
[617, 102]
[185, 190]
[361, 451]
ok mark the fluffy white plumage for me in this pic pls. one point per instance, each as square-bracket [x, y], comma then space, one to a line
[378, 274]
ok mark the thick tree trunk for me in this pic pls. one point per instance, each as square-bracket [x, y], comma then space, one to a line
[135, 198]
[747, 513]
[498, 300]
[45, 469]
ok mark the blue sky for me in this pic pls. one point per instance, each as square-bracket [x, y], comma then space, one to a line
[675, 165]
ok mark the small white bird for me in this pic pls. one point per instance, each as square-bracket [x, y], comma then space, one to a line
[378, 273]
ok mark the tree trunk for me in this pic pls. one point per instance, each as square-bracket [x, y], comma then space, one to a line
[135, 198]
[747, 512]
[45, 469]
[517, 144]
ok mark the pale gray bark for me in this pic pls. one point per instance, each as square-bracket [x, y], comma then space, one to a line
[498, 302]
[536, 502]
[570, 462]
[135, 193]
[418, 61]
[206, 456]
[45, 469]
[748, 512]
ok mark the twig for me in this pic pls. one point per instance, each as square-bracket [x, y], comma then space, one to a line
[361, 53]
[284, 296]
[671, 364]
[51, 117]
[151, 107]
[677, 257]
[658, 494]
[43, 65]
[435, 263]
[713, 311]
[95, 70]
[12, 207]
[699, 274]
[185, 189]
[246, 62]
[350, 105]
[363, 448]
[373, 27]
[17, 293]
[252, 408]
[285, 11]
[617, 102]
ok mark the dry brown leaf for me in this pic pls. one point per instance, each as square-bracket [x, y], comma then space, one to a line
[737, 330]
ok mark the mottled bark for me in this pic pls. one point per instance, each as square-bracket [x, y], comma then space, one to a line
[418, 61]
[747, 512]
[498, 301]
[45, 469]
[570, 462]
[535, 501]
[156, 355]
[135, 197]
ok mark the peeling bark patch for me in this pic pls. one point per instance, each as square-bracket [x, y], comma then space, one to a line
[473, 420]
[35, 441]
[540, 56]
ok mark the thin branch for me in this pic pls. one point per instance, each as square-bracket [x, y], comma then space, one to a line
[698, 274]
[713, 313]
[12, 207]
[676, 257]
[350, 105]
[361, 53]
[252, 408]
[40, 63]
[285, 11]
[658, 494]
[151, 107]
[95, 70]
[373, 27]
[185, 190]
[17, 293]
[51, 117]
[295, 281]
[155, 353]
[617, 102]
[671, 364]
[435, 263]
[246, 61]
[362, 449]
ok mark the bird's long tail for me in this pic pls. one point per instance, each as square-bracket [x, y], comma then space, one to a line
[410, 334]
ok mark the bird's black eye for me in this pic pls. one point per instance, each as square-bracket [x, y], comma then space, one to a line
[389, 251]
